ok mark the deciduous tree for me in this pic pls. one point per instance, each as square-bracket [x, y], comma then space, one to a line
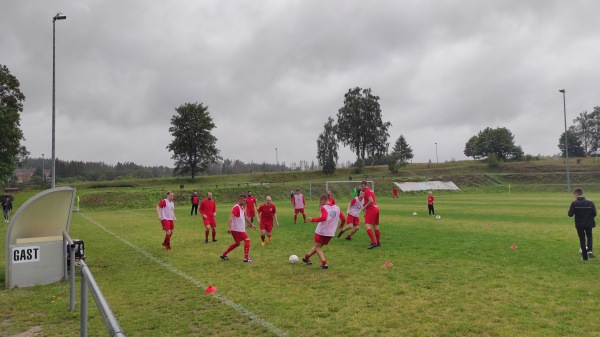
[499, 141]
[360, 126]
[12, 153]
[194, 147]
[327, 147]
[575, 147]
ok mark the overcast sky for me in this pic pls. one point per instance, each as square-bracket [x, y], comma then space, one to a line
[271, 72]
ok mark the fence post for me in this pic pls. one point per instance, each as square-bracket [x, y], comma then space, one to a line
[83, 318]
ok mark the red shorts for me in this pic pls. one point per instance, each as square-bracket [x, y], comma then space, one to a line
[209, 222]
[372, 216]
[239, 236]
[353, 220]
[323, 240]
[168, 225]
[266, 225]
[299, 210]
[250, 213]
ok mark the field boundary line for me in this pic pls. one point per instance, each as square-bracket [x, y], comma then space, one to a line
[192, 280]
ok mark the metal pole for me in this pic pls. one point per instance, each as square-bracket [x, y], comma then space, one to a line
[43, 170]
[566, 141]
[56, 17]
[276, 158]
[83, 309]
[436, 155]
[53, 181]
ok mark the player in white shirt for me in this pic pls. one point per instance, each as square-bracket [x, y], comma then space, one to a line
[353, 218]
[327, 223]
[237, 229]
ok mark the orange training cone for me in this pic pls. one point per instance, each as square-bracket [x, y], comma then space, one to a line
[488, 225]
[513, 247]
[388, 264]
[210, 290]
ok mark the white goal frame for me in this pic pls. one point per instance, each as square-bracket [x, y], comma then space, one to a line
[370, 182]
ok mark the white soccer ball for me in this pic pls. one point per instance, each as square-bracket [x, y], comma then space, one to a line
[293, 259]
[414, 213]
[437, 217]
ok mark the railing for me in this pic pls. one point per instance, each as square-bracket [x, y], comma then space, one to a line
[87, 281]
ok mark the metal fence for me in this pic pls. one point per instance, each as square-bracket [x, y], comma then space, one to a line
[88, 282]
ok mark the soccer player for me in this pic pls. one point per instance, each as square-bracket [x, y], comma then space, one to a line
[237, 229]
[195, 200]
[268, 213]
[299, 204]
[250, 205]
[353, 219]
[166, 214]
[330, 198]
[584, 211]
[371, 215]
[430, 199]
[394, 192]
[327, 223]
[208, 209]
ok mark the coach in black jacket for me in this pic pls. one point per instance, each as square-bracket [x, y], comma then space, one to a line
[585, 212]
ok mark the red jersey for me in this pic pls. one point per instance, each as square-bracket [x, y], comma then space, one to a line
[208, 207]
[267, 212]
[430, 200]
[250, 202]
[369, 193]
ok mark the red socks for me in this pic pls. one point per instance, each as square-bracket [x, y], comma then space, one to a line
[378, 235]
[246, 248]
[232, 247]
[371, 235]
[168, 238]
[214, 234]
[206, 235]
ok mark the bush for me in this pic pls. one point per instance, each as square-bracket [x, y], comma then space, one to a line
[493, 161]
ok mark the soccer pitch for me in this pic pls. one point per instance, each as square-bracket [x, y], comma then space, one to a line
[496, 264]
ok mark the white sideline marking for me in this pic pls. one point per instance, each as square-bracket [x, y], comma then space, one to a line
[197, 283]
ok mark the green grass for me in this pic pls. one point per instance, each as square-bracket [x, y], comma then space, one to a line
[452, 277]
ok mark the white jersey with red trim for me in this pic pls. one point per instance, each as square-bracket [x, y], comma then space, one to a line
[328, 227]
[238, 222]
[355, 206]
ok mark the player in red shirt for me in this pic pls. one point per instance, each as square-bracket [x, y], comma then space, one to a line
[268, 213]
[371, 215]
[299, 204]
[250, 205]
[208, 209]
[394, 192]
[195, 200]
[166, 214]
[430, 199]
[330, 198]
[237, 229]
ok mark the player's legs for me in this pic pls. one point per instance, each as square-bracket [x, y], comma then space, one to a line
[303, 215]
[582, 245]
[213, 227]
[247, 249]
[319, 251]
[352, 232]
[263, 234]
[206, 231]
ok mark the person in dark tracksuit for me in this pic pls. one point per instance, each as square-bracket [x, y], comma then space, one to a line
[584, 211]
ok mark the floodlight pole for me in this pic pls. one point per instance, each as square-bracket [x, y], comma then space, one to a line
[436, 155]
[58, 16]
[43, 171]
[276, 158]
[566, 142]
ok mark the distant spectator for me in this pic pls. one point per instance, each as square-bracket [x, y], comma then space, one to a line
[6, 208]
[584, 212]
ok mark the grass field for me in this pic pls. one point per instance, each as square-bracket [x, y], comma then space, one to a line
[457, 276]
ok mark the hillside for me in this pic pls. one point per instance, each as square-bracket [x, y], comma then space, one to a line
[540, 175]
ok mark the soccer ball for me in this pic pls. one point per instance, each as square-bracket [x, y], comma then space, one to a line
[293, 259]
[414, 213]
[437, 217]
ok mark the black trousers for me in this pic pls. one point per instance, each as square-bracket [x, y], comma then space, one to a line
[194, 208]
[584, 233]
[431, 211]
